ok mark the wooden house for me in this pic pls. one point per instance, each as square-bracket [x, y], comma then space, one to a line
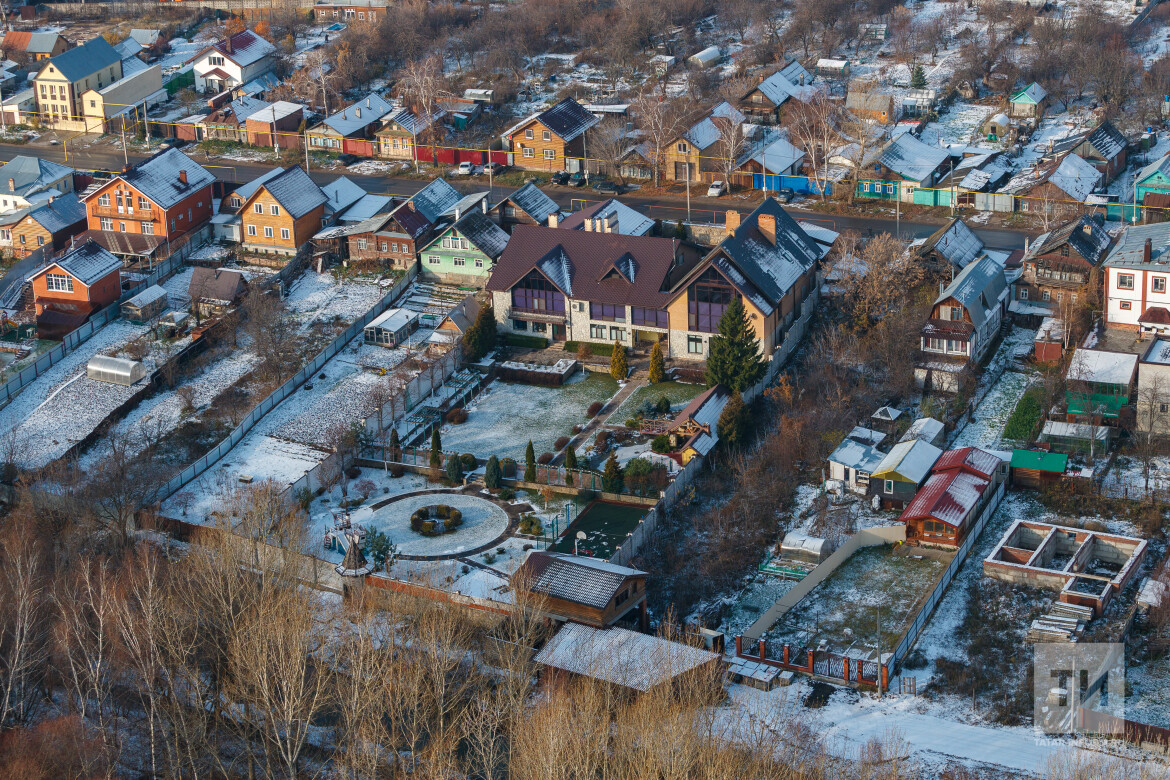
[764, 101]
[583, 590]
[695, 154]
[1029, 103]
[1037, 470]
[1056, 188]
[214, 290]
[695, 430]
[1061, 263]
[551, 140]
[951, 248]
[351, 130]
[964, 321]
[1105, 149]
[283, 213]
[526, 206]
[400, 132]
[465, 252]
[961, 484]
[146, 305]
[72, 287]
[902, 471]
[52, 224]
[459, 320]
[25, 181]
[1154, 179]
[1099, 384]
[875, 106]
[391, 239]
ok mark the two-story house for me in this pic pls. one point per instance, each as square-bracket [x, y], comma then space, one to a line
[764, 101]
[27, 180]
[551, 140]
[695, 155]
[1061, 262]
[61, 81]
[349, 11]
[400, 132]
[351, 130]
[50, 224]
[69, 289]
[1137, 280]
[465, 252]
[596, 286]
[963, 324]
[390, 239]
[282, 213]
[159, 198]
[232, 62]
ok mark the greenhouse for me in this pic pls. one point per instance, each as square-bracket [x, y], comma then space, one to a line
[118, 371]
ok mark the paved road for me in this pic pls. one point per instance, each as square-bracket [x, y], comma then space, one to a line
[660, 207]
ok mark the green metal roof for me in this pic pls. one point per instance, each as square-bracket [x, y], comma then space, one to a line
[1040, 461]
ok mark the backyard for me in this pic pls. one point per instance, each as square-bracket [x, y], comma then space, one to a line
[605, 525]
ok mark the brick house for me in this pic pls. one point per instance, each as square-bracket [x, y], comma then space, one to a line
[69, 289]
[161, 197]
[349, 11]
[1061, 262]
[552, 140]
[283, 213]
[232, 62]
[51, 224]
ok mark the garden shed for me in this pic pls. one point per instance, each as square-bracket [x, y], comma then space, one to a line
[146, 305]
[391, 327]
[115, 370]
[1034, 469]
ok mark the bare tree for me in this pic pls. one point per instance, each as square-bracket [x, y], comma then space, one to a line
[813, 127]
[607, 143]
[121, 482]
[275, 334]
[1152, 421]
[661, 121]
[24, 621]
[423, 86]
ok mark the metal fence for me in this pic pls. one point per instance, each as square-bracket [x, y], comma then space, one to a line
[940, 588]
[196, 469]
[76, 338]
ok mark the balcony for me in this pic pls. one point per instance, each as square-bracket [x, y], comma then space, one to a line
[140, 215]
[536, 315]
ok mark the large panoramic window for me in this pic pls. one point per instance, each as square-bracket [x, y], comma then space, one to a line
[535, 293]
[59, 282]
[707, 299]
[607, 311]
[649, 317]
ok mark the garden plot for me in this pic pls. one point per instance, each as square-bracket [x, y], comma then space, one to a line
[1148, 686]
[844, 608]
[483, 523]
[961, 123]
[320, 298]
[986, 430]
[347, 402]
[678, 393]
[504, 417]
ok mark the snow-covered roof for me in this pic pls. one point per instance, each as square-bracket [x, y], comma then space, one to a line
[63, 212]
[866, 435]
[1031, 94]
[30, 174]
[1107, 140]
[887, 414]
[367, 206]
[857, 455]
[779, 155]
[435, 199]
[1159, 352]
[244, 191]
[244, 48]
[980, 462]
[799, 542]
[620, 656]
[777, 88]
[978, 287]
[355, 118]
[796, 74]
[707, 130]
[295, 191]
[1084, 235]
[1076, 177]
[148, 296]
[1067, 430]
[341, 193]
[587, 581]
[393, 320]
[533, 202]
[825, 237]
[948, 497]
[622, 218]
[956, 242]
[273, 112]
[911, 460]
[1101, 367]
[146, 37]
[912, 159]
[925, 428]
[87, 263]
[158, 178]
[128, 48]
[411, 122]
[1129, 251]
[1161, 165]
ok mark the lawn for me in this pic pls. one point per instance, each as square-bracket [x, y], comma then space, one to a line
[606, 526]
[501, 420]
[678, 393]
[844, 608]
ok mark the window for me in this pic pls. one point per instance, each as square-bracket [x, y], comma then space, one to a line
[459, 262]
[707, 299]
[617, 334]
[545, 135]
[268, 232]
[1045, 295]
[682, 147]
[361, 243]
[597, 331]
[432, 259]
[550, 154]
[1064, 251]
[519, 325]
[59, 282]
[479, 262]
[384, 247]
[235, 202]
[144, 204]
[251, 230]
[121, 227]
[1163, 408]
[528, 133]
[40, 240]
[394, 247]
[539, 327]
[649, 317]
[695, 345]
[107, 223]
[1126, 305]
[956, 314]
[1023, 293]
[536, 293]
[147, 228]
[529, 151]
[607, 311]
[1125, 281]
[22, 239]
[284, 233]
[1158, 284]
[258, 208]
[104, 199]
[274, 210]
[888, 487]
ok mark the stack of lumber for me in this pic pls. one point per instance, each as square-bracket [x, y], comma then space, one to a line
[1062, 623]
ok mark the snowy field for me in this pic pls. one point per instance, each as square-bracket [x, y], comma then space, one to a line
[320, 298]
[483, 523]
[505, 416]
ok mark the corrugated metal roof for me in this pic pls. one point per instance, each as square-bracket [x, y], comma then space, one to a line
[87, 263]
[1084, 235]
[1041, 461]
[30, 174]
[911, 460]
[586, 581]
[533, 202]
[158, 177]
[912, 159]
[148, 296]
[1032, 94]
[355, 118]
[629, 222]
[485, 235]
[94, 55]
[978, 287]
[925, 428]
[948, 497]
[1129, 250]
[295, 191]
[1107, 140]
[974, 459]
[1076, 177]
[64, 212]
[1102, 367]
[435, 199]
[956, 242]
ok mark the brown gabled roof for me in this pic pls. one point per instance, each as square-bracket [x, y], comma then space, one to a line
[217, 285]
[17, 40]
[581, 264]
[1155, 315]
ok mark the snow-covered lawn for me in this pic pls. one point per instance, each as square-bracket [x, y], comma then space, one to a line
[986, 430]
[678, 393]
[320, 297]
[505, 416]
[483, 523]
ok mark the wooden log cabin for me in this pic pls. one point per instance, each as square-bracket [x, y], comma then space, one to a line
[583, 590]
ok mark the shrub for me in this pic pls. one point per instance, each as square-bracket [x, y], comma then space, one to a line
[518, 340]
[469, 461]
[457, 416]
[304, 497]
[586, 349]
[441, 511]
[454, 521]
[353, 472]
[577, 429]
[508, 466]
[545, 458]
[561, 442]
[365, 488]
[660, 443]
[507, 494]
[397, 470]
[602, 441]
[489, 558]
[594, 408]
[662, 406]
[492, 474]
[428, 527]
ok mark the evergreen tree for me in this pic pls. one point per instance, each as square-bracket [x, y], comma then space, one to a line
[733, 421]
[571, 458]
[395, 445]
[918, 78]
[611, 478]
[481, 337]
[735, 360]
[529, 463]
[436, 449]
[618, 367]
[455, 469]
[657, 364]
[680, 231]
[492, 473]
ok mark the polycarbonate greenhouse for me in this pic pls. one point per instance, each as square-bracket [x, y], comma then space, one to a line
[118, 371]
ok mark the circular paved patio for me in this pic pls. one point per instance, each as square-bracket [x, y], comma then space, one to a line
[484, 523]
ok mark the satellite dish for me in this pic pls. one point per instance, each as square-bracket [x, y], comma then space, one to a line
[581, 535]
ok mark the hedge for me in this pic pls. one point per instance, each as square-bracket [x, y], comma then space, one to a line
[520, 340]
[596, 350]
[1022, 423]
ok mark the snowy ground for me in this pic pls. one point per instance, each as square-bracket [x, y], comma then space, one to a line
[320, 298]
[986, 429]
[1126, 478]
[505, 416]
[483, 523]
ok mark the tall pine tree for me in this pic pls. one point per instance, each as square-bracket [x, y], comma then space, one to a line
[480, 338]
[454, 469]
[618, 367]
[395, 445]
[612, 477]
[436, 460]
[492, 473]
[733, 421]
[657, 364]
[529, 463]
[735, 360]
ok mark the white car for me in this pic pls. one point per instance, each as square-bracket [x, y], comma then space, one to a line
[716, 189]
[465, 169]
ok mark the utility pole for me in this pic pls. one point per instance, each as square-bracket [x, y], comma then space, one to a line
[879, 649]
[688, 191]
[898, 207]
[125, 156]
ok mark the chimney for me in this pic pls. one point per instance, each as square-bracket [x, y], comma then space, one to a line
[358, 111]
[484, 203]
[183, 176]
[1026, 242]
[611, 224]
[589, 224]
[1147, 251]
[941, 286]
[732, 221]
[554, 219]
[456, 215]
[1088, 228]
[766, 224]
[50, 199]
[12, 185]
[227, 44]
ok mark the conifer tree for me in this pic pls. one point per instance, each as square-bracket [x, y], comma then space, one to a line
[734, 360]
[611, 478]
[618, 367]
[733, 421]
[492, 473]
[436, 449]
[657, 364]
[529, 463]
[395, 445]
[454, 469]
[918, 77]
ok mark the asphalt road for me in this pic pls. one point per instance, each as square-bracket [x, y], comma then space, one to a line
[666, 208]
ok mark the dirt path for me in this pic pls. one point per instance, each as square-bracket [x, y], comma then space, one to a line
[602, 418]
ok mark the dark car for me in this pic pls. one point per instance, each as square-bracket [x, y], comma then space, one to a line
[577, 179]
[560, 177]
[609, 187]
[494, 168]
[348, 159]
[785, 194]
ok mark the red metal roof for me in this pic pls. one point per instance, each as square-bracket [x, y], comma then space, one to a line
[948, 497]
[973, 460]
[1155, 315]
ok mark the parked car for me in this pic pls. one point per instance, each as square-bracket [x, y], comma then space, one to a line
[494, 168]
[465, 169]
[577, 179]
[785, 194]
[560, 177]
[716, 189]
[609, 187]
[348, 159]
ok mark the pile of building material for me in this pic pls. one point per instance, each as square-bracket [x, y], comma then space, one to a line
[1063, 623]
[755, 674]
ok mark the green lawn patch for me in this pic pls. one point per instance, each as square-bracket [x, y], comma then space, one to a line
[596, 350]
[678, 393]
[606, 526]
[1022, 423]
[520, 340]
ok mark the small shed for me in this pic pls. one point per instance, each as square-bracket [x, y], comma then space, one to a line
[706, 58]
[834, 68]
[1048, 345]
[926, 429]
[115, 370]
[1035, 470]
[146, 305]
[1076, 437]
[802, 547]
[919, 102]
[391, 327]
[997, 127]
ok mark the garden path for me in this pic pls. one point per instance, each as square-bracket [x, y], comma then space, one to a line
[602, 417]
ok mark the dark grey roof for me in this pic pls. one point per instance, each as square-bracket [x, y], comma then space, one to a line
[78, 63]
[1084, 235]
[533, 202]
[88, 263]
[568, 119]
[978, 287]
[573, 578]
[217, 285]
[295, 191]
[1107, 140]
[955, 242]
[485, 235]
[62, 213]
[158, 177]
[433, 200]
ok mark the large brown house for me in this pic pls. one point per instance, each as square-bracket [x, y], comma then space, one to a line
[51, 224]
[583, 590]
[1060, 263]
[552, 140]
